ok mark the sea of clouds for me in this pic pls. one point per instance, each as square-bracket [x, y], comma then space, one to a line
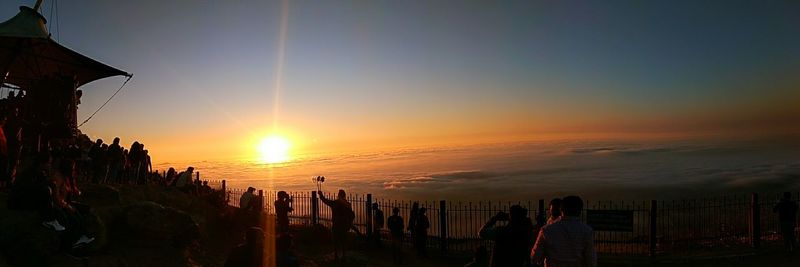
[607, 170]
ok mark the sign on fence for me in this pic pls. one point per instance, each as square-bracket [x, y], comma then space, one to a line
[610, 220]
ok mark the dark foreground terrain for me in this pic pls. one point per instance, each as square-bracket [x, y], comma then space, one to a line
[156, 226]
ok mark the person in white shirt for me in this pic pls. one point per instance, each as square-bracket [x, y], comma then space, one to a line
[567, 241]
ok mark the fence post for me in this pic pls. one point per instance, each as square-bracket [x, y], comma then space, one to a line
[369, 216]
[314, 208]
[653, 228]
[443, 225]
[198, 175]
[225, 193]
[755, 221]
[541, 216]
[261, 199]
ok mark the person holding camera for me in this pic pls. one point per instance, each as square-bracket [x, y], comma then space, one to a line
[511, 241]
[283, 205]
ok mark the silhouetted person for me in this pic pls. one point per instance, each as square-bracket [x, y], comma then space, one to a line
[377, 223]
[787, 215]
[134, 162]
[250, 253]
[555, 210]
[185, 179]
[343, 216]
[95, 154]
[246, 200]
[421, 233]
[283, 205]
[566, 242]
[171, 177]
[116, 161]
[480, 258]
[205, 189]
[148, 163]
[396, 228]
[412, 217]
[511, 241]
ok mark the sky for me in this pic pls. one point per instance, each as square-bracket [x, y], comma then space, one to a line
[210, 79]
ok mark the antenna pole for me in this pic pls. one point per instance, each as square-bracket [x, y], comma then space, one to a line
[38, 5]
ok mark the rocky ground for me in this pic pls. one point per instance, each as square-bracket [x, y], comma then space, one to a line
[133, 226]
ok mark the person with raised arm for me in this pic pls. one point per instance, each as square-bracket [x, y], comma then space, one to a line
[343, 216]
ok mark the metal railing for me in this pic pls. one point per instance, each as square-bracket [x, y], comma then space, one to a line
[676, 227]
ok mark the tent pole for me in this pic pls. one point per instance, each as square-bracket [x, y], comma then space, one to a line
[38, 5]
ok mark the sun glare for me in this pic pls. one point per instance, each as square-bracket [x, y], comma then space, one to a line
[273, 149]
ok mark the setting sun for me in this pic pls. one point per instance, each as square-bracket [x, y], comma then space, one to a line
[274, 149]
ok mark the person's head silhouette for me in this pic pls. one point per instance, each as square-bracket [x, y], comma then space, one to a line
[342, 194]
[517, 213]
[395, 211]
[422, 211]
[116, 140]
[374, 206]
[251, 189]
[555, 207]
[283, 195]
[572, 206]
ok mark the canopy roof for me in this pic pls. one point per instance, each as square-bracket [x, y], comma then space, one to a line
[27, 54]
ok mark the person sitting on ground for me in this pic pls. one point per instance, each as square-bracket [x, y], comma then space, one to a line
[171, 177]
[787, 215]
[61, 209]
[283, 205]
[395, 224]
[568, 241]
[511, 241]
[184, 180]
[250, 253]
[247, 198]
[377, 223]
[205, 189]
[421, 233]
[479, 259]
[343, 216]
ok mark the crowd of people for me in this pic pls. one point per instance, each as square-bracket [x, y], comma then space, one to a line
[43, 173]
[558, 239]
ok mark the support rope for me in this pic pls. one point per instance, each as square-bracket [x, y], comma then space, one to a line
[109, 100]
